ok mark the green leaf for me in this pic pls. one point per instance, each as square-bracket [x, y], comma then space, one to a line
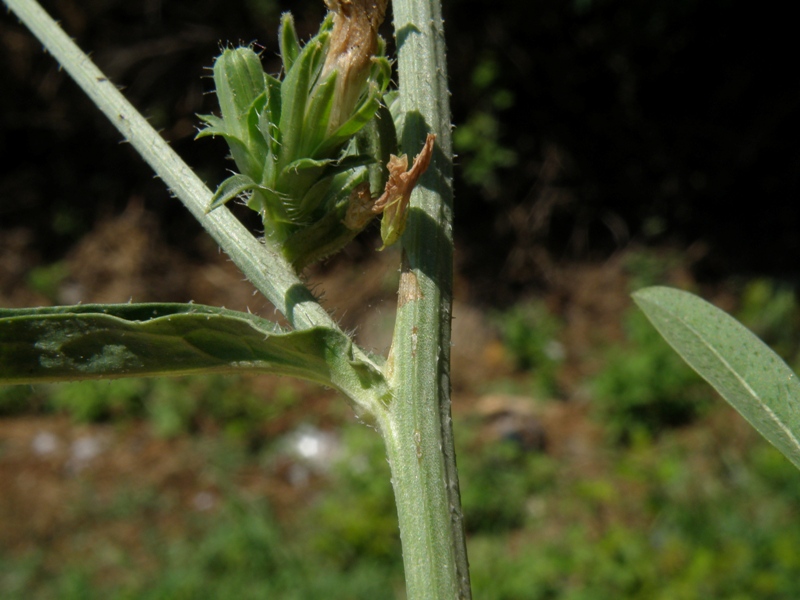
[215, 126]
[271, 115]
[260, 146]
[353, 125]
[306, 208]
[329, 234]
[229, 189]
[750, 376]
[288, 41]
[348, 163]
[297, 177]
[132, 340]
[378, 139]
[294, 98]
[318, 115]
[381, 72]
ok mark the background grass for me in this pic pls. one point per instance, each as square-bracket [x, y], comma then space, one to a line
[642, 485]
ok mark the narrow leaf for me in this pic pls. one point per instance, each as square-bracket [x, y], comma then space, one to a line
[271, 116]
[288, 41]
[378, 139]
[381, 72]
[134, 340]
[229, 189]
[259, 146]
[318, 115]
[353, 125]
[297, 177]
[215, 126]
[295, 90]
[744, 370]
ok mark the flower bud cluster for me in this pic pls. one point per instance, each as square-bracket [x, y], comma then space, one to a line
[293, 139]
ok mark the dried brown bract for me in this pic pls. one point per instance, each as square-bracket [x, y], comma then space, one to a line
[397, 194]
[359, 208]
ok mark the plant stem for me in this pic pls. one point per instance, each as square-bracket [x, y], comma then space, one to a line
[261, 263]
[419, 435]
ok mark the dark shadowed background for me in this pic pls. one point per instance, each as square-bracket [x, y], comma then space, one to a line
[580, 126]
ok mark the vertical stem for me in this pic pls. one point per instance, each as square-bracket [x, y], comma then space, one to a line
[418, 434]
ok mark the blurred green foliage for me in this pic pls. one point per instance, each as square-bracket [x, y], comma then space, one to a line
[477, 141]
[46, 279]
[530, 333]
[645, 386]
[241, 553]
[769, 308]
[357, 516]
[498, 480]
[17, 399]
[663, 519]
[174, 406]
[97, 401]
[697, 534]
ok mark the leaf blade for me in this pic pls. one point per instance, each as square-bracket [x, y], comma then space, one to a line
[136, 340]
[744, 370]
[232, 187]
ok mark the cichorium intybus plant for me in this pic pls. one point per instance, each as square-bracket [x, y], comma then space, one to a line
[315, 153]
[318, 156]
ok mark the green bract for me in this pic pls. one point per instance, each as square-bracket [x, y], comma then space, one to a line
[297, 167]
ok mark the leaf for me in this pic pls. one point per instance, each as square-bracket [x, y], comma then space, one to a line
[288, 41]
[744, 370]
[133, 340]
[318, 115]
[260, 146]
[216, 126]
[334, 230]
[297, 177]
[353, 125]
[229, 189]
[295, 90]
[271, 115]
[381, 72]
[378, 139]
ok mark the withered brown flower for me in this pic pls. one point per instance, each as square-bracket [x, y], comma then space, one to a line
[397, 194]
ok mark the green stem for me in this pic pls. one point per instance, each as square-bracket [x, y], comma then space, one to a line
[418, 432]
[261, 263]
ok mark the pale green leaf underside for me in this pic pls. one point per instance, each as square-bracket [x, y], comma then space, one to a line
[744, 370]
[127, 340]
